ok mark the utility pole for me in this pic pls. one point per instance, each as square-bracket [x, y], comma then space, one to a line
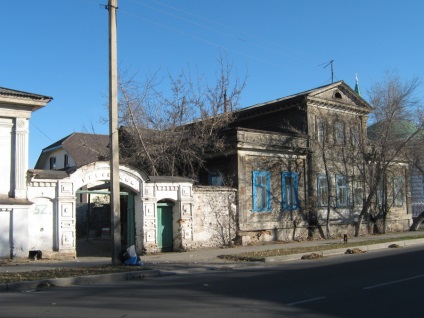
[115, 207]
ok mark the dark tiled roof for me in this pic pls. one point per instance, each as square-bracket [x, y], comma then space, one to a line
[57, 143]
[82, 148]
[86, 148]
[11, 92]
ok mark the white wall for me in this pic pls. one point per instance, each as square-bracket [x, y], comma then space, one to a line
[41, 220]
[6, 168]
[5, 241]
[14, 231]
[60, 160]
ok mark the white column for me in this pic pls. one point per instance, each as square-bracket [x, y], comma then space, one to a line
[21, 157]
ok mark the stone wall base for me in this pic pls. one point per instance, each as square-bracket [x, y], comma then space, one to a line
[62, 255]
[337, 231]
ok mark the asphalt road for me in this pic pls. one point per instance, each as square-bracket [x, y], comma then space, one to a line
[383, 283]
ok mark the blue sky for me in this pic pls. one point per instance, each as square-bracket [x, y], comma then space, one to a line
[59, 48]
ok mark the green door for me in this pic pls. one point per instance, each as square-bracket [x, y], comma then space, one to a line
[165, 235]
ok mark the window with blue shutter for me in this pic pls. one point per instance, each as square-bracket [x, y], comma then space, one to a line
[290, 190]
[261, 184]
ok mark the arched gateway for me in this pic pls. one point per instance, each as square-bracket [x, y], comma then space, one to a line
[92, 189]
[57, 194]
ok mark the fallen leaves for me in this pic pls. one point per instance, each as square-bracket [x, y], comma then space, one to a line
[354, 251]
[259, 256]
[312, 256]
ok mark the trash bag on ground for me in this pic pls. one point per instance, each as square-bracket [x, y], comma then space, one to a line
[130, 257]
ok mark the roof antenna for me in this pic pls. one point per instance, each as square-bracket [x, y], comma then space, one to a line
[332, 70]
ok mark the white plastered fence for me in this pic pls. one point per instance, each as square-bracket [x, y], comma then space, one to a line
[201, 216]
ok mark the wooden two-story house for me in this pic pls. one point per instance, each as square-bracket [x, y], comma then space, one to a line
[297, 163]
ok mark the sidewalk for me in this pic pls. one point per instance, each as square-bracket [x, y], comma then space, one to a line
[179, 263]
[207, 257]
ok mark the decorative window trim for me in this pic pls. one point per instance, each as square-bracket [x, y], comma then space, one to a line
[354, 135]
[322, 190]
[342, 191]
[398, 197]
[290, 191]
[339, 133]
[320, 130]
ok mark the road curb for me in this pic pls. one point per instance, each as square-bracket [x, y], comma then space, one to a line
[79, 280]
[339, 251]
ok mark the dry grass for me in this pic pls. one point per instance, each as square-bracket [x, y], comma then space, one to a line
[261, 255]
[6, 277]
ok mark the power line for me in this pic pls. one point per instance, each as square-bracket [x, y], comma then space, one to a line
[200, 39]
[225, 31]
[42, 132]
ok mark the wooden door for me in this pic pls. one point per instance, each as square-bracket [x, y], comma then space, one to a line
[165, 232]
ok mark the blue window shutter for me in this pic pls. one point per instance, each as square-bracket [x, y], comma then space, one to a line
[296, 187]
[261, 186]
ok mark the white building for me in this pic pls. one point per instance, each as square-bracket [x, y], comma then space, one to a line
[16, 108]
[38, 207]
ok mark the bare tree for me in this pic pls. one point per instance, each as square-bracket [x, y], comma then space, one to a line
[396, 124]
[169, 134]
[337, 153]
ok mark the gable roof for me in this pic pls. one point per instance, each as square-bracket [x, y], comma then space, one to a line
[81, 147]
[312, 95]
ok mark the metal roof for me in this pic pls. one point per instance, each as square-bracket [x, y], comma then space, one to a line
[159, 179]
[15, 93]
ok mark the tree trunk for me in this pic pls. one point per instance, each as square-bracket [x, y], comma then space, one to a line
[417, 221]
[384, 223]
[327, 224]
[365, 208]
[358, 224]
